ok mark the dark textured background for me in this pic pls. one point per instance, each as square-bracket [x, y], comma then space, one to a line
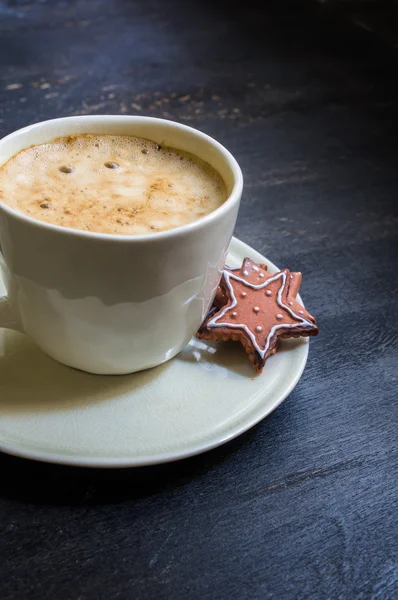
[305, 505]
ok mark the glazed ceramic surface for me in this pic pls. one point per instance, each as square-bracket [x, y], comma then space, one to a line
[111, 304]
[206, 395]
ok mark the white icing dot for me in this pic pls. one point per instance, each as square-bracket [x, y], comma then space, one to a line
[255, 268]
[256, 309]
[259, 328]
[291, 276]
[243, 294]
[245, 273]
[268, 292]
[300, 312]
[261, 274]
[279, 316]
[234, 314]
[290, 303]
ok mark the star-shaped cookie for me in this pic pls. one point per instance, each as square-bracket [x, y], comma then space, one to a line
[256, 308]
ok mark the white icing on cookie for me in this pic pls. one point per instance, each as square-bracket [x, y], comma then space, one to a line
[215, 321]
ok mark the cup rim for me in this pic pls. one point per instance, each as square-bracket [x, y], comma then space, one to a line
[145, 237]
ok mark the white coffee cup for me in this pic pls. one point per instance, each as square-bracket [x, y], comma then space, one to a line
[112, 304]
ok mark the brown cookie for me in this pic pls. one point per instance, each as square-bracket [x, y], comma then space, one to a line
[221, 296]
[256, 308]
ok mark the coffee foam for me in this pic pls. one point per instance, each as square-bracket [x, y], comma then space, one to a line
[110, 184]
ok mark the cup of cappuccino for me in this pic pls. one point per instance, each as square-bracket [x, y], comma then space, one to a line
[114, 232]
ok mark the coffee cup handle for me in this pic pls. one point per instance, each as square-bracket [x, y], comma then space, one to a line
[7, 319]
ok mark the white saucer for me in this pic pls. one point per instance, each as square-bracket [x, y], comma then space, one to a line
[204, 397]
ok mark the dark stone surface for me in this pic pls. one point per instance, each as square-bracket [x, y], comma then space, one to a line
[305, 505]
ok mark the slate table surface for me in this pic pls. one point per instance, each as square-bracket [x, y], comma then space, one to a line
[304, 505]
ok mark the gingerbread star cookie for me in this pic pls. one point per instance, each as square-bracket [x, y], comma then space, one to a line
[256, 308]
